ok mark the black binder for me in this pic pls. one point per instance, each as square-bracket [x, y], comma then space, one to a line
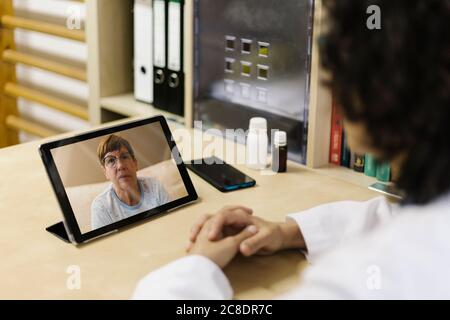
[169, 76]
[160, 72]
[175, 83]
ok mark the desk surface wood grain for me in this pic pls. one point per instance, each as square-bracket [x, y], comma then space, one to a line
[35, 264]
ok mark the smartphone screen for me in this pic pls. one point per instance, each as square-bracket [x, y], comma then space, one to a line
[220, 174]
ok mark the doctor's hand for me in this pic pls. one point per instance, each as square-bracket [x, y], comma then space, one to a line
[221, 251]
[270, 238]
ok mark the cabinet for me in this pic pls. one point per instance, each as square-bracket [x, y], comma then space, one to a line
[109, 31]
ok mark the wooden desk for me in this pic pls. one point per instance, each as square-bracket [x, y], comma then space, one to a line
[34, 263]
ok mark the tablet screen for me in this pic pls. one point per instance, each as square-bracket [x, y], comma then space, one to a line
[119, 175]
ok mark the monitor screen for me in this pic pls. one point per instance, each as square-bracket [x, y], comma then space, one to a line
[118, 175]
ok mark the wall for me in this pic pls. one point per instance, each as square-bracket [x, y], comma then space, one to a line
[58, 48]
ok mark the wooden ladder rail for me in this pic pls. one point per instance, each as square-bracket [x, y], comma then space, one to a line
[10, 121]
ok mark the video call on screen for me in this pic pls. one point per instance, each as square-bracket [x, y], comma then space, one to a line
[116, 176]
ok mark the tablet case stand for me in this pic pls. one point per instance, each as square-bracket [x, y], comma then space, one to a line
[59, 231]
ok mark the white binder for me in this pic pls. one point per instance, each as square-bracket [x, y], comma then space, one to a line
[143, 50]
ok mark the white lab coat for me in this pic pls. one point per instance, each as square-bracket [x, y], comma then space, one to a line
[357, 250]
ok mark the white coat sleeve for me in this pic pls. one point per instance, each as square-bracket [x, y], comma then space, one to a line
[329, 225]
[192, 277]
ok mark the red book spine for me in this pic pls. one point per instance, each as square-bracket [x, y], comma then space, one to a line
[336, 135]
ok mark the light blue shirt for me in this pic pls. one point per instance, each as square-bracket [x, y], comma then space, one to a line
[107, 208]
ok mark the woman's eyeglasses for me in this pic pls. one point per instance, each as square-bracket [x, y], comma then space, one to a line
[111, 161]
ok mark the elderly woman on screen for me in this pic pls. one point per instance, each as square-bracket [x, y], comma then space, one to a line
[127, 194]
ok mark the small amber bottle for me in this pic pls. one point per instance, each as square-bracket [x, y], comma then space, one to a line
[279, 152]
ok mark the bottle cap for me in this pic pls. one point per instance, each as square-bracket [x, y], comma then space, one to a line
[280, 138]
[258, 123]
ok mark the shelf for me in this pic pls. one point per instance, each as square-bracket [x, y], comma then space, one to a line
[127, 105]
[110, 63]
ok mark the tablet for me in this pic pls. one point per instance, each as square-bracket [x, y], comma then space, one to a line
[112, 177]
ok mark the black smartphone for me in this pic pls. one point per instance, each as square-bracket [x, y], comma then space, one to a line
[220, 174]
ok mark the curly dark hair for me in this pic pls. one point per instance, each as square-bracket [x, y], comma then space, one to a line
[395, 80]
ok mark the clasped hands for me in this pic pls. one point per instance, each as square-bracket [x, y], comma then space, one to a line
[233, 229]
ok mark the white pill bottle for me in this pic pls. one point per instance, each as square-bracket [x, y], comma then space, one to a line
[257, 144]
